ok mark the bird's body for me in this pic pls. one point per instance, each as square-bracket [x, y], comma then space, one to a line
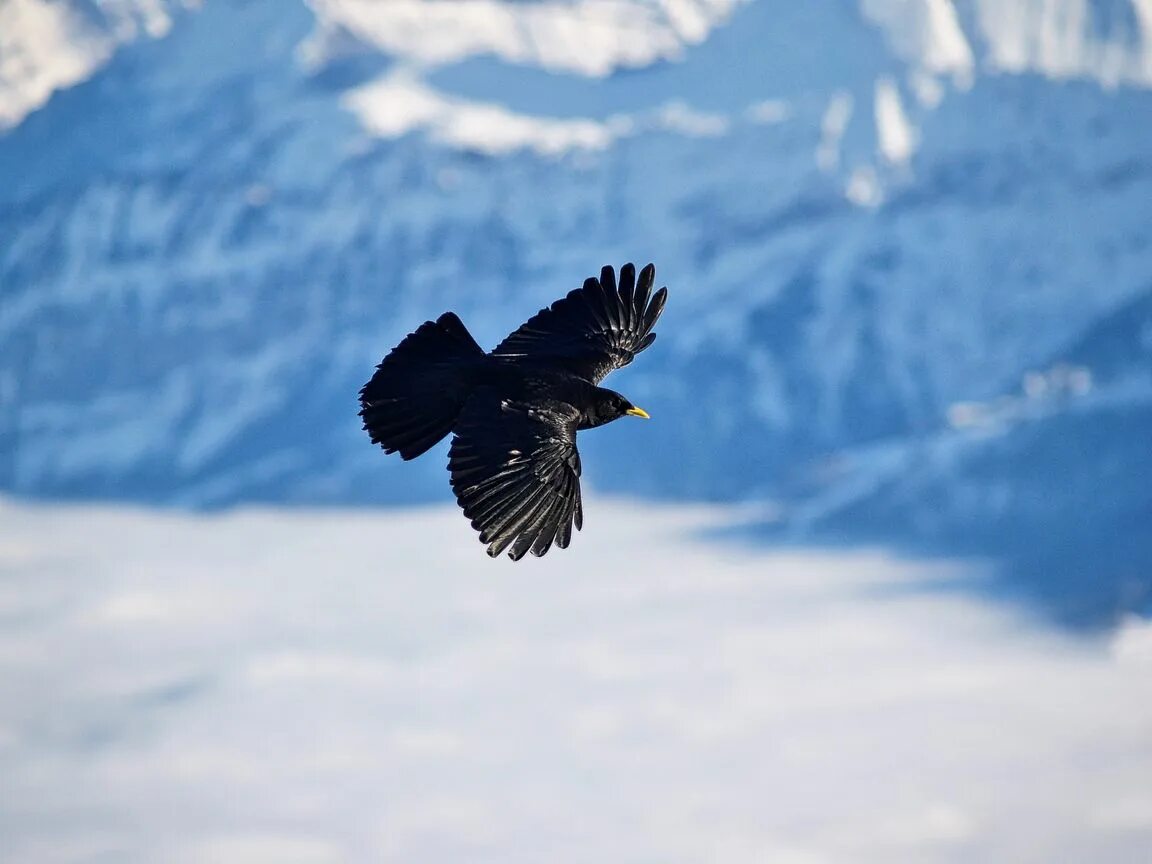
[515, 411]
[541, 384]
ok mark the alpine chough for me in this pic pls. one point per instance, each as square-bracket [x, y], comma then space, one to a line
[515, 411]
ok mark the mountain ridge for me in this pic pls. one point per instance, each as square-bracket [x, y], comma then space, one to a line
[210, 247]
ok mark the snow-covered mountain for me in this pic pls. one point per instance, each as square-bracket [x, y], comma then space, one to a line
[908, 242]
[362, 687]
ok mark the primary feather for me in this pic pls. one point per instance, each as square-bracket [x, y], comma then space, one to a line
[597, 328]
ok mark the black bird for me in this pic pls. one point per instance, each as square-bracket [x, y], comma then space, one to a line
[515, 412]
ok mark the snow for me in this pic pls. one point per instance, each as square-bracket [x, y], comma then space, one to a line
[399, 104]
[897, 137]
[1066, 39]
[932, 40]
[680, 117]
[43, 47]
[288, 686]
[47, 46]
[836, 118]
[1107, 41]
[867, 213]
[587, 37]
[926, 32]
[596, 37]
[769, 111]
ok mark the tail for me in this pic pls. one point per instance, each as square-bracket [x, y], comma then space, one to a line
[417, 392]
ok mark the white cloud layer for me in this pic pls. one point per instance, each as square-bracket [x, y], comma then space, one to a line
[333, 687]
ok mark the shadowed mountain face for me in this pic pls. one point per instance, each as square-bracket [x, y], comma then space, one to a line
[907, 263]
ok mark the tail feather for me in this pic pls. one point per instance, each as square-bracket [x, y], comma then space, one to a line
[417, 392]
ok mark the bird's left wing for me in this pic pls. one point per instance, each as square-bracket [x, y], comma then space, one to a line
[596, 328]
[516, 472]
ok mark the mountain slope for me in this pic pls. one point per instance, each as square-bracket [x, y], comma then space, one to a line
[870, 216]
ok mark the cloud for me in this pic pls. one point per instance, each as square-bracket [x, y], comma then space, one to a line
[368, 686]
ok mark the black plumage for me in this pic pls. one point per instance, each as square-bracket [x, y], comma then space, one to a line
[515, 411]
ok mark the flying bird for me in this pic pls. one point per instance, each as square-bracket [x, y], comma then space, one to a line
[515, 411]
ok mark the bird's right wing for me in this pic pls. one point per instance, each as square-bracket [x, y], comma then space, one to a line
[596, 328]
[516, 473]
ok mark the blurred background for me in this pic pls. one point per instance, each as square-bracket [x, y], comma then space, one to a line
[889, 529]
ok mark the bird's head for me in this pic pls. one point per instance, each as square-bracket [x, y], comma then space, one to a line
[608, 405]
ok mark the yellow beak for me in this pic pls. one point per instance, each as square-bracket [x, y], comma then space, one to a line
[638, 412]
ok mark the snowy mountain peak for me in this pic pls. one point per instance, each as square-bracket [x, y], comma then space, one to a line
[868, 213]
[47, 45]
[585, 37]
[1108, 41]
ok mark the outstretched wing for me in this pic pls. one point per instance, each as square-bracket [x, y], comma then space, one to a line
[516, 472]
[596, 328]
